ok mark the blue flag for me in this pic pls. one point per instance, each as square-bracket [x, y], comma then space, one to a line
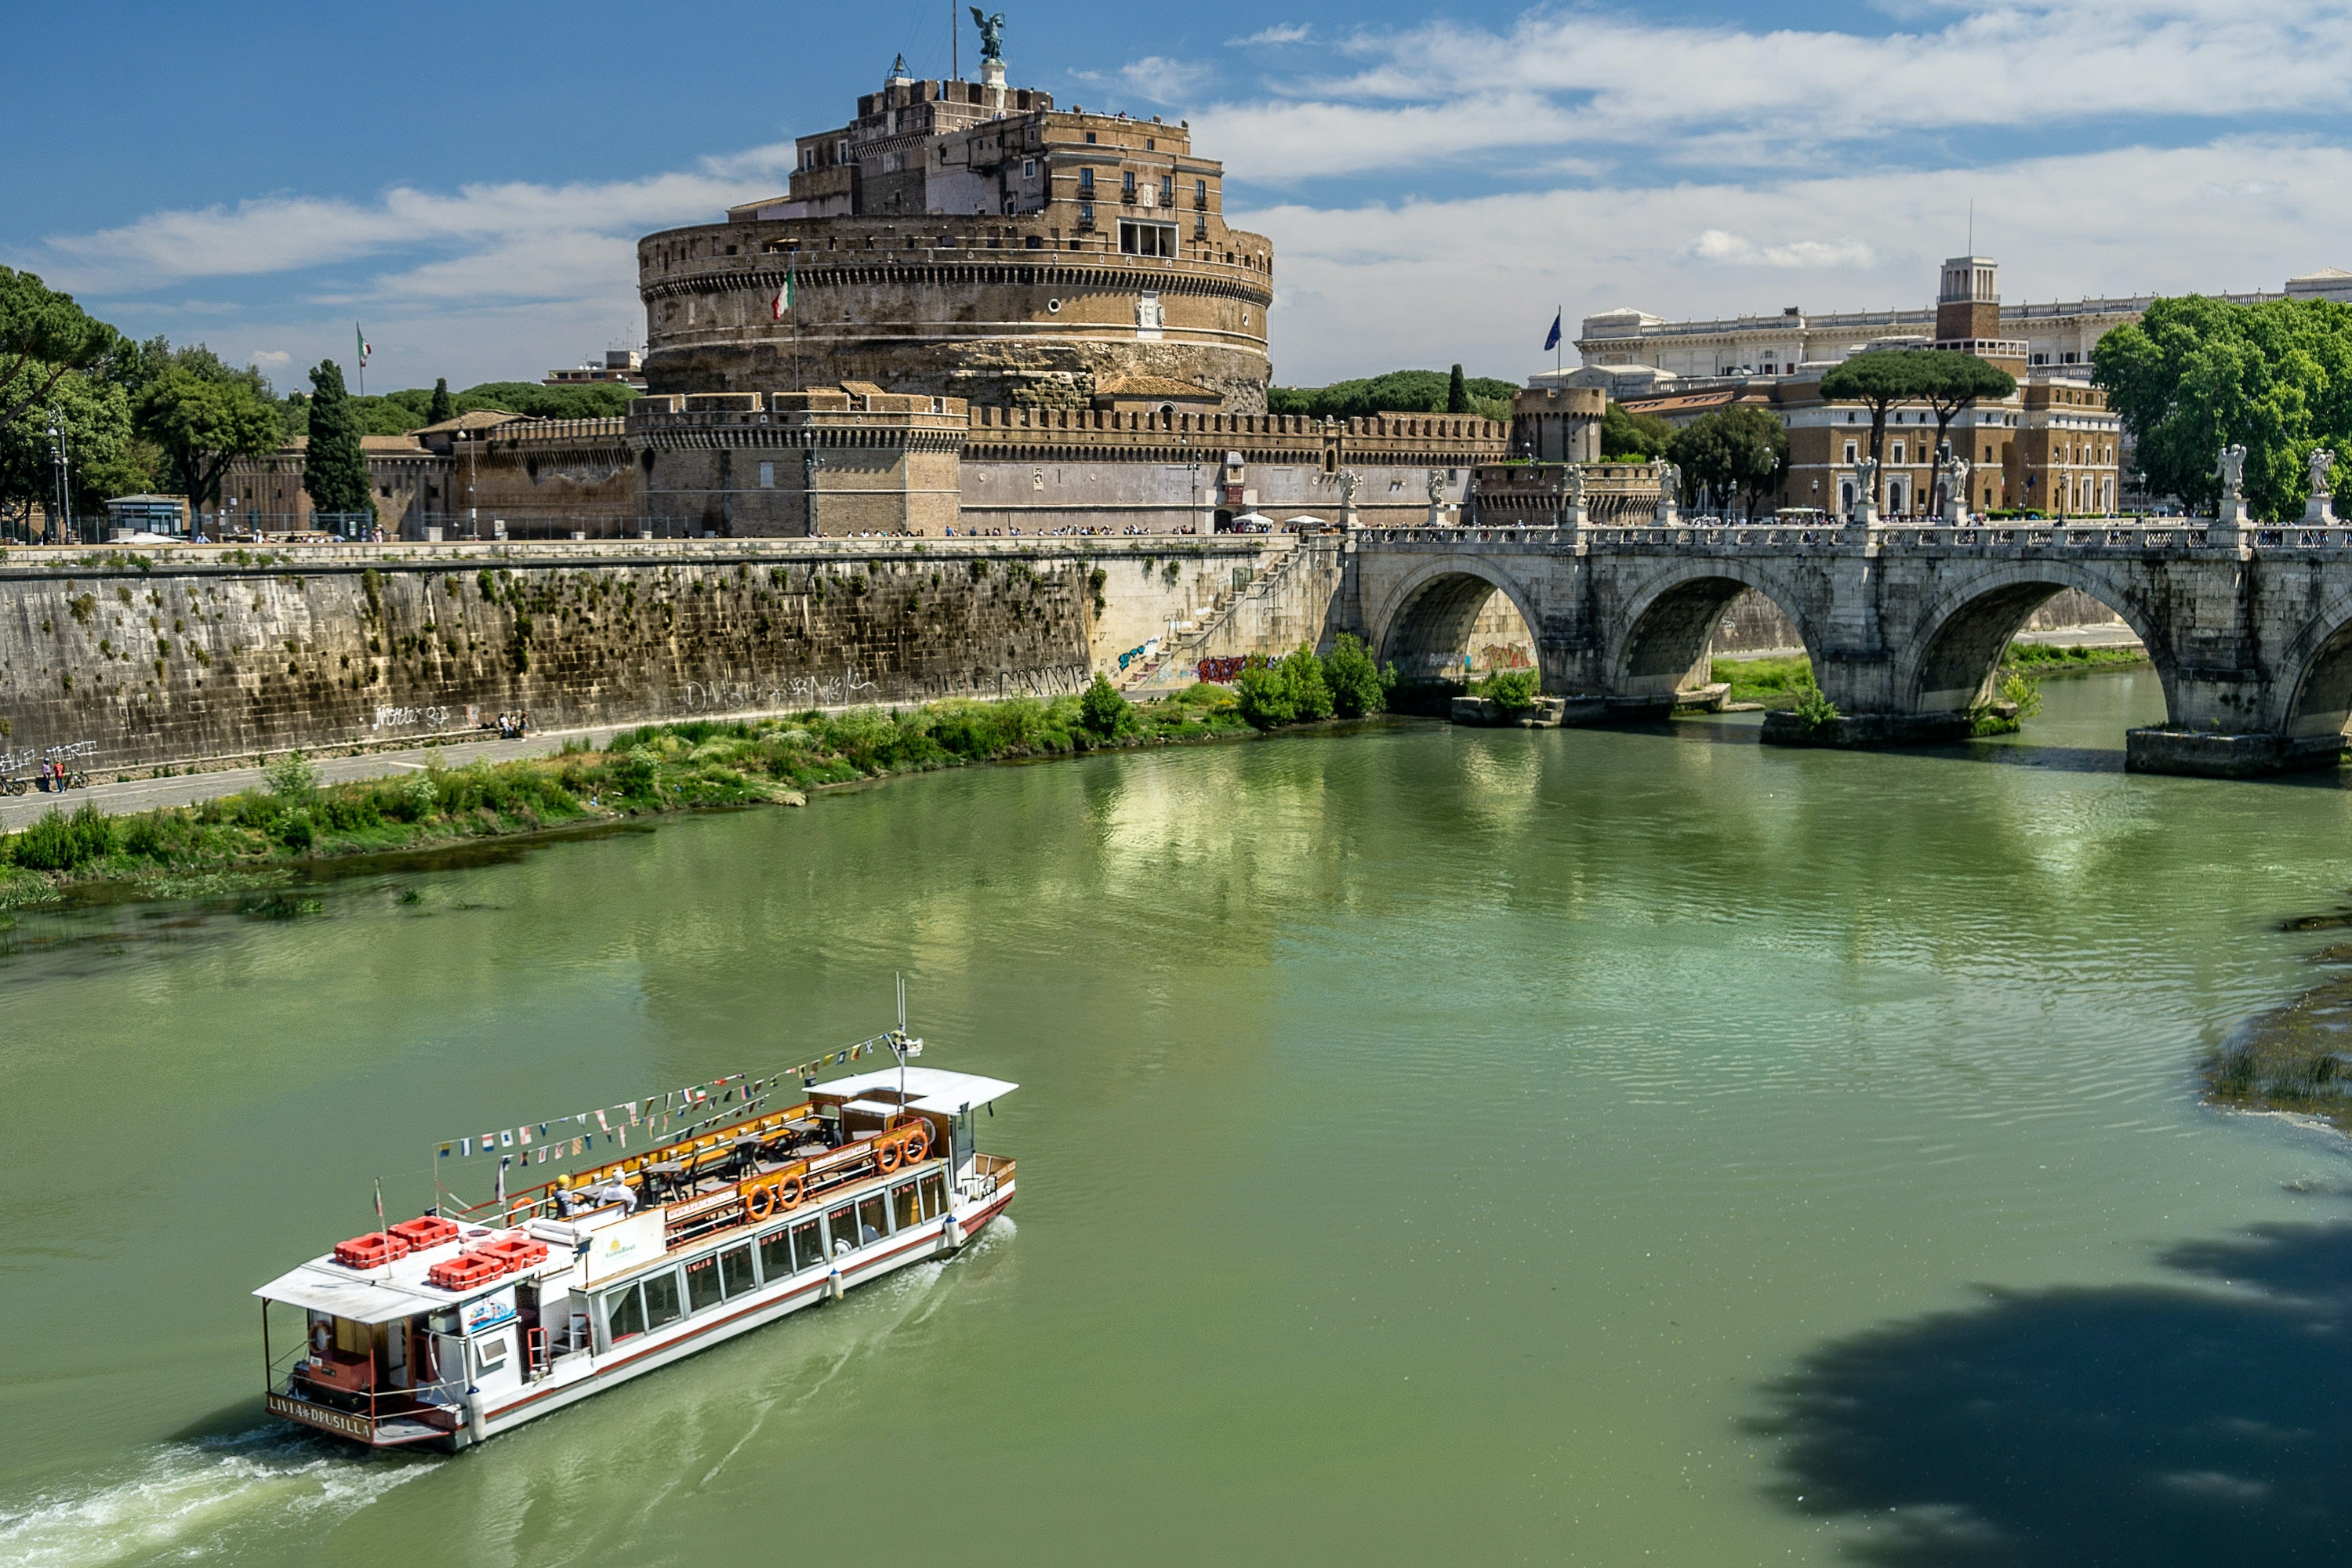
[1552, 341]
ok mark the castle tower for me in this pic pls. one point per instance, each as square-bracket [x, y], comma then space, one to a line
[970, 239]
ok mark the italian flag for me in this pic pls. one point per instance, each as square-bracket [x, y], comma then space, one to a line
[784, 299]
[366, 348]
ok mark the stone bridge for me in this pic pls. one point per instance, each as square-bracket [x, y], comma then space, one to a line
[2248, 628]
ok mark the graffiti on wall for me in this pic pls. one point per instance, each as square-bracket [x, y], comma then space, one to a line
[1500, 655]
[391, 717]
[1143, 651]
[1225, 671]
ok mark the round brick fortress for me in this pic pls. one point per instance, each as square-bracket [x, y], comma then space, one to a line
[999, 311]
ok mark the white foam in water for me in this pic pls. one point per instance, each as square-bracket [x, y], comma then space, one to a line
[184, 1498]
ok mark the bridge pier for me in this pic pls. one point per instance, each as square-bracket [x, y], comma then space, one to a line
[2216, 754]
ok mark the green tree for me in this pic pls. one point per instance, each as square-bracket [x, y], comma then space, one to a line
[441, 409]
[1358, 684]
[43, 336]
[2194, 376]
[1879, 381]
[1957, 381]
[1457, 395]
[1263, 696]
[1310, 694]
[334, 470]
[1632, 437]
[105, 460]
[597, 400]
[204, 425]
[1102, 710]
[1740, 450]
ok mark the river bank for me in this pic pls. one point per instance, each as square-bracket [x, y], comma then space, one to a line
[263, 837]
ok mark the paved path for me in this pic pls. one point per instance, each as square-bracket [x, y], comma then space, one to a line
[186, 789]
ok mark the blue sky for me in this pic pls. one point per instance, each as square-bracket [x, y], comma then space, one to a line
[469, 181]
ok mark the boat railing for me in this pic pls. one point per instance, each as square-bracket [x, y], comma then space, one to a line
[299, 1392]
[770, 1193]
[989, 1171]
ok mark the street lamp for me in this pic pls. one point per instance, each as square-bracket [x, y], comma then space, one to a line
[65, 489]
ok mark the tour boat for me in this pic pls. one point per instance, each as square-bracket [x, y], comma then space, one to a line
[454, 1327]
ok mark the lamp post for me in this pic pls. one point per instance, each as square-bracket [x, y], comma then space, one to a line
[65, 489]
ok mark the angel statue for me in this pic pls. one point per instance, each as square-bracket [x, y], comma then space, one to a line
[1865, 482]
[2232, 471]
[2321, 461]
[1575, 482]
[1436, 487]
[1670, 480]
[1349, 480]
[991, 35]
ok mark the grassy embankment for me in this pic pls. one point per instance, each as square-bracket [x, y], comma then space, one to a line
[257, 839]
[1783, 682]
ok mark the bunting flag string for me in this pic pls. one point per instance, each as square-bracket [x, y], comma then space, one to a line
[685, 1112]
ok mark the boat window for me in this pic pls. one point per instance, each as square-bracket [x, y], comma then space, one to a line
[661, 1301]
[808, 1244]
[872, 1218]
[902, 1205]
[775, 1255]
[841, 1224]
[735, 1270]
[702, 1283]
[624, 1317]
[935, 1196]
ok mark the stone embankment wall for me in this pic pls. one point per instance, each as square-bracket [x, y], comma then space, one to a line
[119, 663]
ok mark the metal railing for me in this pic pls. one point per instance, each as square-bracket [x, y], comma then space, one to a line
[2175, 534]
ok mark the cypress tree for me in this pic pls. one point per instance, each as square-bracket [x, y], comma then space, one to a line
[442, 409]
[1458, 396]
[334, 470]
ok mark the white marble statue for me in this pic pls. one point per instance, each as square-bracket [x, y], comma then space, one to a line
[1865, 487]
[2321, 461]
[1575, 484]
[2232, 471]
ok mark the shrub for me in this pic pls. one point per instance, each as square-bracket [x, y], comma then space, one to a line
[61, 843]
[1264, 697]
[295, 830]
[1511, 690]
[1815, 711]
[634, 771]
[1359, 686]
[1310, 694]
[292, 778]
[2023, 690]
[1103, 709]
[418, 796]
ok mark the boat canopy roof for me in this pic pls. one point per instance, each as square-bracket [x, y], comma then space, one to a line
[927, 1088]
[367, 1298]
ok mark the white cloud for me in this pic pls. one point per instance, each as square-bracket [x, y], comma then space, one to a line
[1720, 247]
[1708, 96]
[1280, 33]
[1155, 79]
[270, 357]
[1372, 287]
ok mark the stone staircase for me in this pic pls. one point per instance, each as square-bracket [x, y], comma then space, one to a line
[1185, 648]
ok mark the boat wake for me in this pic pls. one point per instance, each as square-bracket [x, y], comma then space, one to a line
[189, 1499]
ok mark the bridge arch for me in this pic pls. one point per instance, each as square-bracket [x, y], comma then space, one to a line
[2316, 674]
[1426, 618]
[1947, 665]
[1669, 624]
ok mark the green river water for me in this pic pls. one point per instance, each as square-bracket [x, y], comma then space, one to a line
[1436, 1145]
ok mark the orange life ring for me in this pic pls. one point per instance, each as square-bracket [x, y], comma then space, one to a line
[887, 1158]
[787, 1192]
[918, 1142]
[761, 1203]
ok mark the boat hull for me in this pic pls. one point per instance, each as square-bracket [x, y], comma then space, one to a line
[564, 1384]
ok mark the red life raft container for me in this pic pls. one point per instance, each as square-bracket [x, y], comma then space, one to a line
[372, 1251]
[426, 1230]
[515, 1251]
[464, 1272]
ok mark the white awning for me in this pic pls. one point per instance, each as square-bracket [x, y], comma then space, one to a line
[361, 1298]
[927, 1088]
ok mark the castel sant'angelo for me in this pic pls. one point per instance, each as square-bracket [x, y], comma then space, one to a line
[975, 310]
